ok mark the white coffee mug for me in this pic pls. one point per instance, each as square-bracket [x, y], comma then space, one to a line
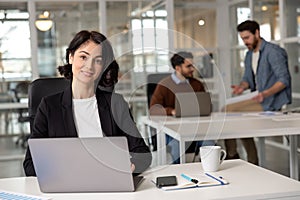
[211, 157]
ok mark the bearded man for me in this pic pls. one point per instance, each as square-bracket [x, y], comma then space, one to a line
[267, 71]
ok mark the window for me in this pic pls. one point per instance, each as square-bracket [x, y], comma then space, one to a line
[15, 50]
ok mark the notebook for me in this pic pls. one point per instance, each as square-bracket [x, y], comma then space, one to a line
[186, 181]
[83, 164]
[191, 104]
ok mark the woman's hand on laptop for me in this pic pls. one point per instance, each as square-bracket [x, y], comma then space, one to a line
[132, 167]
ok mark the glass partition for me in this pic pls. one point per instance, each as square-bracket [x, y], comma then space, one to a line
[292, 18]
[195, 30]
[68, 18]
[238, 67]
[238, 13]
[266, 13]
[15, 49]
[134, 28]
[197, 22]
[293, 51]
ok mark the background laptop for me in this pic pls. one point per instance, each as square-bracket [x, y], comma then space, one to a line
[82, 164]
[190, 104]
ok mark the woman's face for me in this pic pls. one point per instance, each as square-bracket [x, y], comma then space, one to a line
[87, 62]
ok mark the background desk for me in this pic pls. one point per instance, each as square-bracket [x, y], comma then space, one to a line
[8, 107]
[247, 181]
[226, 126]
[13, 106]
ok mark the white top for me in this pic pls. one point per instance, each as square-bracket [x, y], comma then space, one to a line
[87, 119]
[255, 57]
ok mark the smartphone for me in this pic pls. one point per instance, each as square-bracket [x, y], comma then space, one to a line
[163, 181]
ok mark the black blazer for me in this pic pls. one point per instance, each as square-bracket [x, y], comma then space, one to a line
[55, 119]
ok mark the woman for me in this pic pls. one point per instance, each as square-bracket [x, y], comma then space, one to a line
[86, 108]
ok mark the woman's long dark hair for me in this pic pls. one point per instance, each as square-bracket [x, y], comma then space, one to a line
[108, 59]
[110, 75]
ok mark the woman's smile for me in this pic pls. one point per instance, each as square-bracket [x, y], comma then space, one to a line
[87, 73]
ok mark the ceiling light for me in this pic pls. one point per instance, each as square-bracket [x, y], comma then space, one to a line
[44, 23]
[201, 22]
[264, 8]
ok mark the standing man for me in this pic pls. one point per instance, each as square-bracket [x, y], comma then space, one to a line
[163, 98]
[266, 70]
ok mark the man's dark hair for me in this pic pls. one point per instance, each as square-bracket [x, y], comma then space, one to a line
[249, 25]
[178, 58]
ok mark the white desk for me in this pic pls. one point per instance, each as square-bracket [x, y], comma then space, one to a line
[246, 181]
[13, 106]
[226, 126]
[8, 107]
[135, 99]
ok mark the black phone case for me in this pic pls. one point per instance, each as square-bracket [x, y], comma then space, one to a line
[163, 181]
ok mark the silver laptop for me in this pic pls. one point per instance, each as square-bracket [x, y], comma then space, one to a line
[191, 104]
[83, 164]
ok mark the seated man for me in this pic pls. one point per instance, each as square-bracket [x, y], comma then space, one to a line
[163, 98]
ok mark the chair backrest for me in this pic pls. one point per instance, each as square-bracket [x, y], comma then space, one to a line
[40, 88]
[21, 90]
[152, 80]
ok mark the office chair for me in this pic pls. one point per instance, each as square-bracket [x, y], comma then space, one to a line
[152, 81]
[40, 88]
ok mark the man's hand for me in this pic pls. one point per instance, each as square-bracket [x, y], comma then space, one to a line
[173, 112]
[259, 98]
[236, 89]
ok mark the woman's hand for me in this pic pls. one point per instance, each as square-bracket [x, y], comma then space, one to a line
[132, 167]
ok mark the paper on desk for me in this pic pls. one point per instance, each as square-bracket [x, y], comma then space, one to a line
[264, 113]
[16, 196]
[242, 97]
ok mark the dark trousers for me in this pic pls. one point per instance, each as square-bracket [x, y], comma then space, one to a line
[248, 143]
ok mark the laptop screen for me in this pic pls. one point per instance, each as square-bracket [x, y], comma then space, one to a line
[82, 164]
[191, 104]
